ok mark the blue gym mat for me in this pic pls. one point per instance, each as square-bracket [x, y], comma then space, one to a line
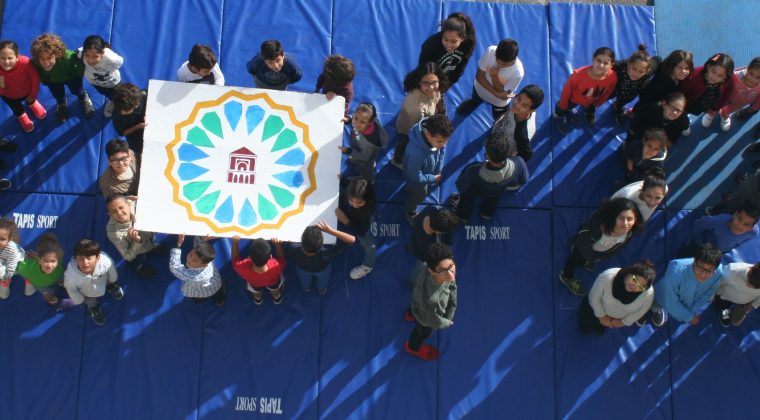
[514, 351]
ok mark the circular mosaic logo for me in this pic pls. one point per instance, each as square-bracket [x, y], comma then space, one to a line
[241, 163]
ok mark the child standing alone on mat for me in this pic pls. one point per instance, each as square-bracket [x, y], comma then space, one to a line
[19, 83]
[101, 68]
[589, 87]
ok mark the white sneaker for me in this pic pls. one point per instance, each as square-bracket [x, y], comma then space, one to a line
[725, 124]
[5, 289]
[360, 271]
[686, 132]
[28, 288]
[108, 109]
[707, 119]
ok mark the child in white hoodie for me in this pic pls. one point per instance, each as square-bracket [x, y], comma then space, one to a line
[88, 276]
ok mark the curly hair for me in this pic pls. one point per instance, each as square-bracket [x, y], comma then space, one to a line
[48, 43]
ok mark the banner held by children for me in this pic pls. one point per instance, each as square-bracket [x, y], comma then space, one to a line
[228, 161]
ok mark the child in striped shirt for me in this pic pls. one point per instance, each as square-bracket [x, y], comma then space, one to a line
[200, 279]
[10, 255]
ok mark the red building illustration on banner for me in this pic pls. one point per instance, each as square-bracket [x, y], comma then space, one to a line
[242, 169]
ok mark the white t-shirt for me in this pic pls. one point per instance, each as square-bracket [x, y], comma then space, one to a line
[185, 75]
[632, 192]
[511, 76]
[607, 242]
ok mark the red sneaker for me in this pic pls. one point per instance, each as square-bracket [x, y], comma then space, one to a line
[26, 123]
[426, 351]
[408, 316]
[38, 110]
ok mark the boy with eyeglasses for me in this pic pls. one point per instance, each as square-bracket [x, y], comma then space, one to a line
[122, 175]
[687, 287]
[434, 301]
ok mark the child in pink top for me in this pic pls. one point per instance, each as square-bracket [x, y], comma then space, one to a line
[589, 87]
[744, 95]
[19, 82]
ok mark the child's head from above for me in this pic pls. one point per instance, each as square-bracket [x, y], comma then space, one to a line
[440, 262]
[678, 65]
[93, 49]
[117, 151]
[437, 130]
[673, 106]
[339, 69]
[654, 141]
[744, 219]
[653, 189]
[201, 60]
[604, 57]
[8, 232]
[118, 208]
[455, 30]
[201, 255]
[273, 54]
[506, 52]
[359, 192]
[427, 77]
[637, 277]
[499, 149]
[719, 68]
[8, 55]
[620, 216]
[443, 221]
[639, 63]
[49, 252]
[87, 254]
[706, 261]
[528, 100]
[311, 240]
[364, 115]
[47, 49]
[260, 252]
[752, 77]
[126, 98]
[753, 276]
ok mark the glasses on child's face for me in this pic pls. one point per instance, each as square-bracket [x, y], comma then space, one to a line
[450, 269]
[121, 160]
[672, 109]
[703, 270]
[635, 280]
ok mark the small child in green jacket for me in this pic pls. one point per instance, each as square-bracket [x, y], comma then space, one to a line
[42, 271]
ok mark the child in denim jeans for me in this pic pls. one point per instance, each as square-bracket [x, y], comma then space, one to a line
[312, 259]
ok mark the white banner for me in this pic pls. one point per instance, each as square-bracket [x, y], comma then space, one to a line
[229, 161]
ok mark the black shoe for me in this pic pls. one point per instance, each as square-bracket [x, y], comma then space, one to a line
[620, 117]
[256, 300]
[562, 125]
[589, 266]
[61, 113]
[725, 317]
[87, 107]
[740, 178]
[641, 321]
[97, 315]
[753, 148]
[4, 184]
[409, 216]
[590, 118]
[466, 107]
[115, 291]
[7, 146]
[573, 285]
[659, 317]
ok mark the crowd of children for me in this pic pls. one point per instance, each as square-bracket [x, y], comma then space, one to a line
[667, 90]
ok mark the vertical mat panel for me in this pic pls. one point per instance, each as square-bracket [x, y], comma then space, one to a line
[147, 354]
[303, 29]
[155, 37]
[497, 358]
[59, 158]
[383, 39]
[259, 359]
[585, 160]
[528, 25]
[364, 371]
[43, 348]
[596, 373]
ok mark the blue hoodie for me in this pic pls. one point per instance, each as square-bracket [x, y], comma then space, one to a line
[421, 163]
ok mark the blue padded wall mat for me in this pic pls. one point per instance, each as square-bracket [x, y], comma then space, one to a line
[514, 350]
[591, 371]
[585, 160]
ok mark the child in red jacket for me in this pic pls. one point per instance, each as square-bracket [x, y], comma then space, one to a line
[19, 81]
